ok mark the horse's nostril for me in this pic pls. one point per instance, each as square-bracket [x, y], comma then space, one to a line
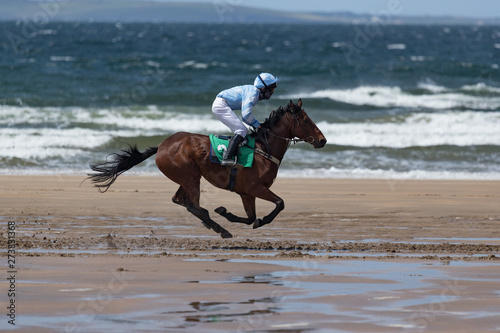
[323, 142]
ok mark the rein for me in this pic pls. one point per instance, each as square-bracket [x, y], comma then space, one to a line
[268, 156]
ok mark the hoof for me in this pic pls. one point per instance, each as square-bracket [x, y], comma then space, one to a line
[226, 234]
[220, 210]
[258, 223]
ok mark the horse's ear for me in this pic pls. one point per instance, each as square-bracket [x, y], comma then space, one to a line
[291, 103]
[299, 103]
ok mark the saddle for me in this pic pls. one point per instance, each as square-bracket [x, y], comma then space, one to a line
[245, 152]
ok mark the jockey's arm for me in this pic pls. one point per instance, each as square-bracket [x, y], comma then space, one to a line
[246, 112]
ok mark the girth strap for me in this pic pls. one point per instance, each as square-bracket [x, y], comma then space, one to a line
[268, 156]
[232, 179]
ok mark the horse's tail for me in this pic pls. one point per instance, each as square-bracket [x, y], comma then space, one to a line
[107, 172]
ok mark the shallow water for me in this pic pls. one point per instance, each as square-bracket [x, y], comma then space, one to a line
[303, 296]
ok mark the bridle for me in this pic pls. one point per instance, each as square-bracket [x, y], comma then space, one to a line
[294, 138]
[289, 141]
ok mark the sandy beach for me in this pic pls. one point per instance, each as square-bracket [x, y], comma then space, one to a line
[345, 255]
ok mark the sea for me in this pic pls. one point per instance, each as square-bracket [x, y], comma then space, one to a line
[395, 102]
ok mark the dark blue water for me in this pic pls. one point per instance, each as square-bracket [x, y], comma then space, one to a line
[407, 102]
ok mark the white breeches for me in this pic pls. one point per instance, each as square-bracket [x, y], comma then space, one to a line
[227, 116]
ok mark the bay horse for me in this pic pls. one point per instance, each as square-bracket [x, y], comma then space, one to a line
[184, 158]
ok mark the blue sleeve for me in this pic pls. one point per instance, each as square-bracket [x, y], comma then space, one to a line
[249, 100]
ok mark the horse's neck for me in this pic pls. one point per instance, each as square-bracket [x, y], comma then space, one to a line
[278, 146]
[279, 142]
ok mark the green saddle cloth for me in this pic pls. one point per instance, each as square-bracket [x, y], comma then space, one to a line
[219, 144]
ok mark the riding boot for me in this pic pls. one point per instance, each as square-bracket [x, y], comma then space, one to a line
[229, 153]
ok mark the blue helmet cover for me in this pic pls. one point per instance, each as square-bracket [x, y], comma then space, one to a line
[264, 80]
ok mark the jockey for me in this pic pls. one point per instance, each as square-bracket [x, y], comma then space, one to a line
[241, 98]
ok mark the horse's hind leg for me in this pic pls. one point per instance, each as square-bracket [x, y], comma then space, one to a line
[248, 204]
[181, 197]
[190, 199]
[203, 215]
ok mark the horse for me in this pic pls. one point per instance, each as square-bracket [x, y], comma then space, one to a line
[184, 158]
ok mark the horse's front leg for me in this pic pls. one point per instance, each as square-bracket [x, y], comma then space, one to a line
[248, 204]
[268, 195]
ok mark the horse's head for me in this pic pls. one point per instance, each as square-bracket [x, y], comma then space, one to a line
[303, 127]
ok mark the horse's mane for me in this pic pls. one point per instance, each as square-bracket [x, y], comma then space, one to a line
[274, 116]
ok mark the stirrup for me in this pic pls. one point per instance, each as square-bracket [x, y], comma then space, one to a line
[229, 161]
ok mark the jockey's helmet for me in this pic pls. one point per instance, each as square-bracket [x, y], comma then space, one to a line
[266, 83]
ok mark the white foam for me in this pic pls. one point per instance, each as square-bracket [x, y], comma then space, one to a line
[419, 130]
[387, 97]
[25, 133]
[431, 86]
[399, 46]
[481, 86]
[391, 175]
[150, 121]
[156, 123]
[193, 64]
[420, 58]
[30, 133]
[62, 58]
[66, 139]
[47, 142]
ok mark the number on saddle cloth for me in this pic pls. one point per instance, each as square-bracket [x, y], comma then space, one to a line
[219, 143]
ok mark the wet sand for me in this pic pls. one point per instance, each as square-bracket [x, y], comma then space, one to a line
[344, 255]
